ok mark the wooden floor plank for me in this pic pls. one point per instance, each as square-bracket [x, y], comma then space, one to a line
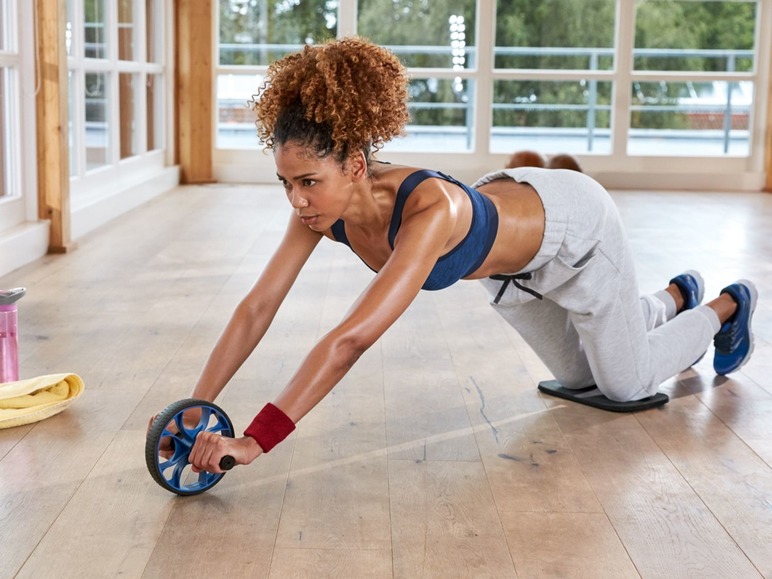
[113, 521]
[229, 531]
[444, 523]
[566, 545]
[423, 406]
[731, 480]
[530, 466]
[337, 494]
[40, 475]
[323, 563]
[663, 523]
[10, 437]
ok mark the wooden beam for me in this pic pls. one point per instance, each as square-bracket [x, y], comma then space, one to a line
[768, 140]
[126, 96]
[195, 102]
[52, 123]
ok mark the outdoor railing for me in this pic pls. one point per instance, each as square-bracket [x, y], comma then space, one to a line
[599, 61]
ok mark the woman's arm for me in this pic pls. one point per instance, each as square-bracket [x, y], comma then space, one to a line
[254, 314]
[428, 223]
[427, 226]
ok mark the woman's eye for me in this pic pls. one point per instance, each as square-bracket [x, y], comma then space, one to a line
[308, 182]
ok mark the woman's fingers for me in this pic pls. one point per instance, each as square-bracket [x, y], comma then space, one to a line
[207, 452]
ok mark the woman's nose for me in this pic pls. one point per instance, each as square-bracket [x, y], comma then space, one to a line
[297, 201]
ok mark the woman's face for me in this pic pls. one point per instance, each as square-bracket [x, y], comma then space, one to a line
[319, 189]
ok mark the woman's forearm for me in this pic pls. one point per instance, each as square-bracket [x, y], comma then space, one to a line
[238, 340]
[326, 364]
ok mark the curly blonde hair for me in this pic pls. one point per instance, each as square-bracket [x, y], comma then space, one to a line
[337, 97]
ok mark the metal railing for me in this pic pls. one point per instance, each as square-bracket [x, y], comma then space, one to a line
[591, 107]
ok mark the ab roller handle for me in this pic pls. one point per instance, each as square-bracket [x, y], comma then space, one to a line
[170, 440]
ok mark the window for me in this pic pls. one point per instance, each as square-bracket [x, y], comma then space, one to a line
[17, 97]
[439, 36]
[595, 77]
[116, 81]
[18, 177]
[251, 37]
[9, 74]
[552, 116]
[690, 98]
[5, 190]
[536, 103]
[554, 35]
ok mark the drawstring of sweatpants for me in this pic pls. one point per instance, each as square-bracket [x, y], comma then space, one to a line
[507, 278]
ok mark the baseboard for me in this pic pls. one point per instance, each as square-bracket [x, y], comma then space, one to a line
[29, 241]
[88, 217]
[22, 245]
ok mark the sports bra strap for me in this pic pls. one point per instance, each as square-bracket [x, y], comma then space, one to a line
[405, 189]
[339, 232]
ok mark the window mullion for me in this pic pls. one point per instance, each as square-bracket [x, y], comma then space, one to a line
[12, 104]
[78, 121]
[347, 18]
[482, 106]
[76, 67]
[623, 64]
[113, 96]
[140, 106]
[762, 91]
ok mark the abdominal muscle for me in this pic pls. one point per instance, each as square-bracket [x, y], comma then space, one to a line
[521, 227]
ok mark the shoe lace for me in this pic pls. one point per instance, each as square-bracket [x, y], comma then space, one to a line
[728, 338]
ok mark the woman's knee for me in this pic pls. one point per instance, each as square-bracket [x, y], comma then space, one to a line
[620, 387]
[625, 388]
[574, 379]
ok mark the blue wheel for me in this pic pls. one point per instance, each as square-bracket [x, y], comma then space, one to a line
[171, 438]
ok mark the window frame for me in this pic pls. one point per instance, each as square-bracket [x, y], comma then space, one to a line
[87, 185]
[19, 205]
[619, 168]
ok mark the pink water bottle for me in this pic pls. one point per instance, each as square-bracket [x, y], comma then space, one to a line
[9, 339]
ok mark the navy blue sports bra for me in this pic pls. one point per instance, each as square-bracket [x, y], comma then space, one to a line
[463, 259]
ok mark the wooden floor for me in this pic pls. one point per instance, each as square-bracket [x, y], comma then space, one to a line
[435, 457]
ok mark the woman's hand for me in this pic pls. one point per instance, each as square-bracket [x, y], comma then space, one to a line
[210, 448]
[190, 419]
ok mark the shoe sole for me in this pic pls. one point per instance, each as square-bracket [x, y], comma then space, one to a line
[700, 284]
[754, 298]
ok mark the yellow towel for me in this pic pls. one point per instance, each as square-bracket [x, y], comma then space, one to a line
[28, 401]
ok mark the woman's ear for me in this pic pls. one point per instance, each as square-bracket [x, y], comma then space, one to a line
[357, 166]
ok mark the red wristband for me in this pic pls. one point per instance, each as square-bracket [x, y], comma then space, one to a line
[270, 427]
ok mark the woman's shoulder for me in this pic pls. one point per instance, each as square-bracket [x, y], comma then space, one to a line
[396, 177]
[383, 171]
[390, 177]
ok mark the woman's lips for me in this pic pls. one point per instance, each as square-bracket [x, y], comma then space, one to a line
[309, 220]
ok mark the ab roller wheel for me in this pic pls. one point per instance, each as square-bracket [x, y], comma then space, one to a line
[171, 438]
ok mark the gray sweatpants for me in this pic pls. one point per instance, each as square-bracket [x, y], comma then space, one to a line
[592, 327]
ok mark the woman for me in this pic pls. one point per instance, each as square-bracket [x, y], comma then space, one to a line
[548, 244]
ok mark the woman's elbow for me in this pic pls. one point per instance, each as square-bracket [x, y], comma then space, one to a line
[251, 310]
[348, 348]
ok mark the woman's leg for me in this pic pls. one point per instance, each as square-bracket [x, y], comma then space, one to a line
[547, 329]
[597, 334]
[684, 292]
[628, 360]
[590, 325]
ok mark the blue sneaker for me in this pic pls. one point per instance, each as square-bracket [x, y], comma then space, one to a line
[734, 342]
[692, 288]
